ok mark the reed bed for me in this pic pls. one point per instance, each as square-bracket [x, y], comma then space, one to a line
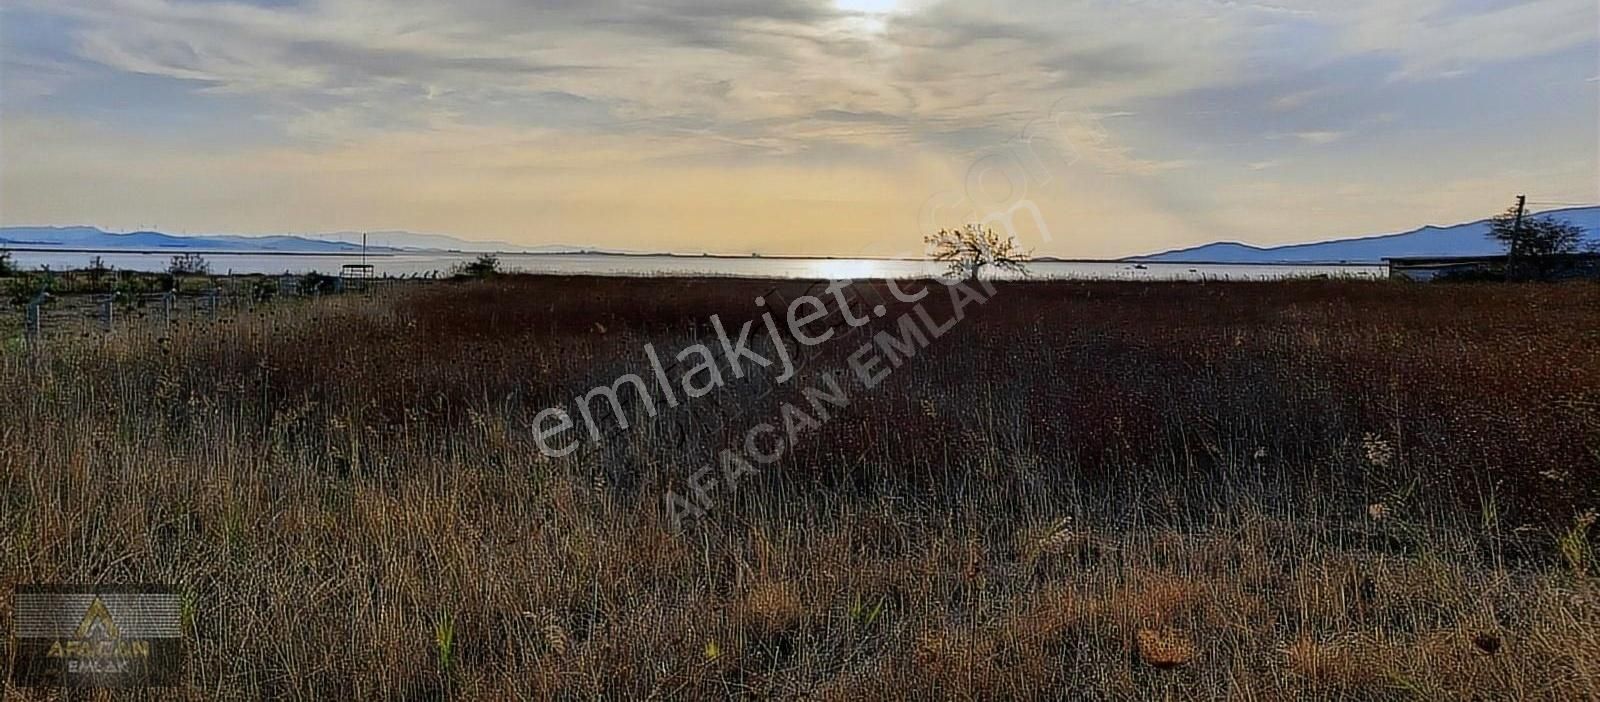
[1330, 489]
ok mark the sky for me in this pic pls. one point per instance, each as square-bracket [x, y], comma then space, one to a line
[1089, 128]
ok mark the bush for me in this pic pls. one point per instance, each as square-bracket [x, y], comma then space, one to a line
[21, 290]
[485, 266]
[315, 282]
[189, 264]
[6, 268]
[264, 289]
[141, 283]
[97, 270]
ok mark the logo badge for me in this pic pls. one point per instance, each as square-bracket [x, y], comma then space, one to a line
[97, 636]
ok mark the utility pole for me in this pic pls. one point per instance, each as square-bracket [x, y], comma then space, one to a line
[1516, 228]
[1516, 236]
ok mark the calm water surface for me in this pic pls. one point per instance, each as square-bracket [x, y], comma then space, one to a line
[596, 264]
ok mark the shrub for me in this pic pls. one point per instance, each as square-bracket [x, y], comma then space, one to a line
[21, 290]
[97, 270]
[315, 282]
[484, 266]
[189, 264]
[264, 289]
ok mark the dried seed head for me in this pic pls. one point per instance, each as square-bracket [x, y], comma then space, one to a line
[1164, 648]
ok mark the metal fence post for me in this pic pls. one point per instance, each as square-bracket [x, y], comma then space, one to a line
[166, 307]
[109, 319]
[33, 327]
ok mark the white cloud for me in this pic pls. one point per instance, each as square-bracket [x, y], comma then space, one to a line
[492, 111]
[1445, 38]
[1320, 137]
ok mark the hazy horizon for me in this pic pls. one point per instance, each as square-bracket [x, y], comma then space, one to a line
[795, 127]
[402, 239]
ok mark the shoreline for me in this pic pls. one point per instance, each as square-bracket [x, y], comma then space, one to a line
[393, 253]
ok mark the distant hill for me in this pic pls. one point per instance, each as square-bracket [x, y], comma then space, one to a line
[97, 239]
[437, 242]
[337, 242]
[1471, 239]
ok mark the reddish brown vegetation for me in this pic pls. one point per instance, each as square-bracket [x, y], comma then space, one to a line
[1107, 490]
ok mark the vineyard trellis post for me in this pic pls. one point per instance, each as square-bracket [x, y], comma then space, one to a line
[108, 312]
[99, 311]
[34, 324]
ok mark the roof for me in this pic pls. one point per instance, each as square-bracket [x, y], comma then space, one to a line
[1443, 260]
[1461, 260]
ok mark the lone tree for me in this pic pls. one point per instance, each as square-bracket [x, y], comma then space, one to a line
[6, 268]
[969, 249]
[1535, 237]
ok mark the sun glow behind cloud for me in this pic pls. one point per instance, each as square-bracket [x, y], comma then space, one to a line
[869, 15]
[792, 126]
[868, 6]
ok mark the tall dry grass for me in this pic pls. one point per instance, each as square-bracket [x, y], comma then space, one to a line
[1258, 491]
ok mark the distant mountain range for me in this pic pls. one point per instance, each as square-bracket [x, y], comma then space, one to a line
[438, 242]
[1471, 239]
[92, 238]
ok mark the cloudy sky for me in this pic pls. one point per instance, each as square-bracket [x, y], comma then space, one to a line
[843, 127]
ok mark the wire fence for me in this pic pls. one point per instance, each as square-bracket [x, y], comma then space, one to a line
[49, 316]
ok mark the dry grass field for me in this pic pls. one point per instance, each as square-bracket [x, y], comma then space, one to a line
[1342, 490]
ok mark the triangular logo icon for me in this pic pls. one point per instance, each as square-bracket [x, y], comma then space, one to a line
[98, 618]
